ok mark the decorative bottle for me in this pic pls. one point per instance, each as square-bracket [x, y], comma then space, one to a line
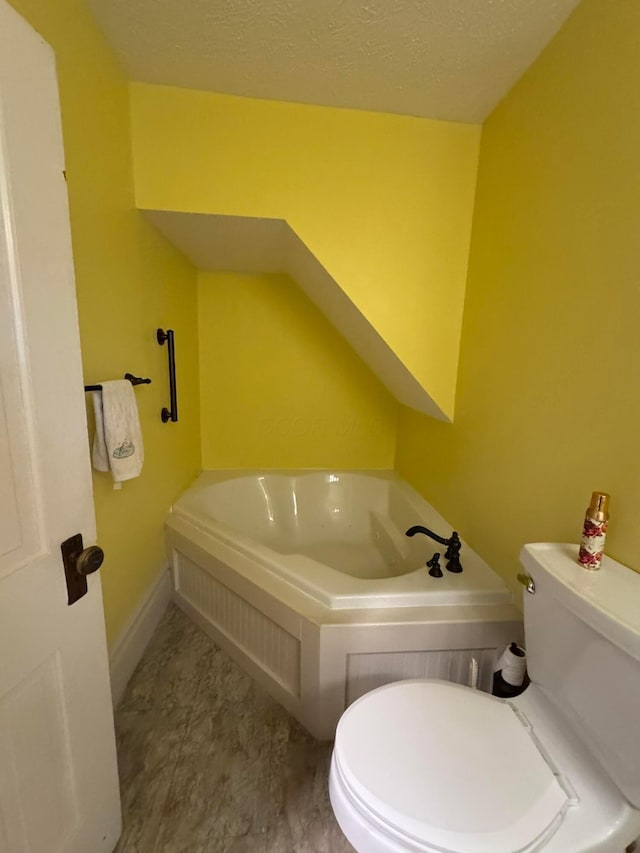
[594, 531]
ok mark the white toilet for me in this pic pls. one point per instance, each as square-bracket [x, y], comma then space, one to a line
[428, 765]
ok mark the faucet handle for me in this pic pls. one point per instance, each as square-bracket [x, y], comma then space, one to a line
[454, 565]
[452, 554]
[453, 546]
[434, 566]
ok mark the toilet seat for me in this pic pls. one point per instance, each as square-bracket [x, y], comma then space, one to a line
[440, 767]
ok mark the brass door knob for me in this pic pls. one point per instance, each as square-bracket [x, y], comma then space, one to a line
[89, 560]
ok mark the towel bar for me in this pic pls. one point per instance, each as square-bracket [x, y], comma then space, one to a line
[172, 413]
[134, 380]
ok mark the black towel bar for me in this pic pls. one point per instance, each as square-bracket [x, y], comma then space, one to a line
[172, 413]
[134, 380]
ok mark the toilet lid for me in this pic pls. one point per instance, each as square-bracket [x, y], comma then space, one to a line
[448, 766]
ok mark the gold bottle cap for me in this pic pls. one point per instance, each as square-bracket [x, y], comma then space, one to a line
[599, 507]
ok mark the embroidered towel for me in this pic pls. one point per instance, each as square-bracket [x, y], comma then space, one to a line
[117, 444]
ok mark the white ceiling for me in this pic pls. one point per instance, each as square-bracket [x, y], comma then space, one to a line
[447, 59]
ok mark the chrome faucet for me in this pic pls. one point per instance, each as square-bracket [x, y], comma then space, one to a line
[451, 555]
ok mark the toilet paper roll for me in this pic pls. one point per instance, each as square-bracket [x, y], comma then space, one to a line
[513, 663]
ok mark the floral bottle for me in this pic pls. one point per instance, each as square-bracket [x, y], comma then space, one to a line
[594, 531]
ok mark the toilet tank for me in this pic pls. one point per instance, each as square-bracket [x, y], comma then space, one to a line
[582, 632]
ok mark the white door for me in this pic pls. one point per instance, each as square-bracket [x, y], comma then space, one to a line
[58, 779]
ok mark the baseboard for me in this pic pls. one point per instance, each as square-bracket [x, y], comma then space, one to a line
[129, 647]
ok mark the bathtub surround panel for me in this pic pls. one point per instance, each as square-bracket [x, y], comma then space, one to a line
[328, 638]
[552, 308]
[383, 202]
[297, 626]
[280, 388]
[129, 280]
[367, 670]
[271, 646]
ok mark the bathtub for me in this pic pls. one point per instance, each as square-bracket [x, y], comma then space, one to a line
[308, 580]
[337, 536]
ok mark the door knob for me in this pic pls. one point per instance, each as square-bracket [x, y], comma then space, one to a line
[89, 560]
[78, 563]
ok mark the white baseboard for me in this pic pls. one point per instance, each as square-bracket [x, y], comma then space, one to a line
[127, 650]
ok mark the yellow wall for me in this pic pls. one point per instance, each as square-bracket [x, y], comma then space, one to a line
[279, 387]
[384, 202]
[548, 402]
[129, 280]
[547, 408]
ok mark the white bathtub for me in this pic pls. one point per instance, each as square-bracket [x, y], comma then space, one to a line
[337, 536]
[307, 579]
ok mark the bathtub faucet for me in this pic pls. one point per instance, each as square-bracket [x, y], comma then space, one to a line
[452, 554]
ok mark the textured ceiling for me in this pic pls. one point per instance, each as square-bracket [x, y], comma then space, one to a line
[447, 59]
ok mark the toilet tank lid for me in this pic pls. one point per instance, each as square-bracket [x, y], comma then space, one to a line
[606, 599]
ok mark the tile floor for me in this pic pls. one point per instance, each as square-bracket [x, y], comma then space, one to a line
[209, 763]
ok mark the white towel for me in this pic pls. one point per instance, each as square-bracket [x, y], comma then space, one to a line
[117, 444]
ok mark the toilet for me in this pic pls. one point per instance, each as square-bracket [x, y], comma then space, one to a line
[436, 767]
